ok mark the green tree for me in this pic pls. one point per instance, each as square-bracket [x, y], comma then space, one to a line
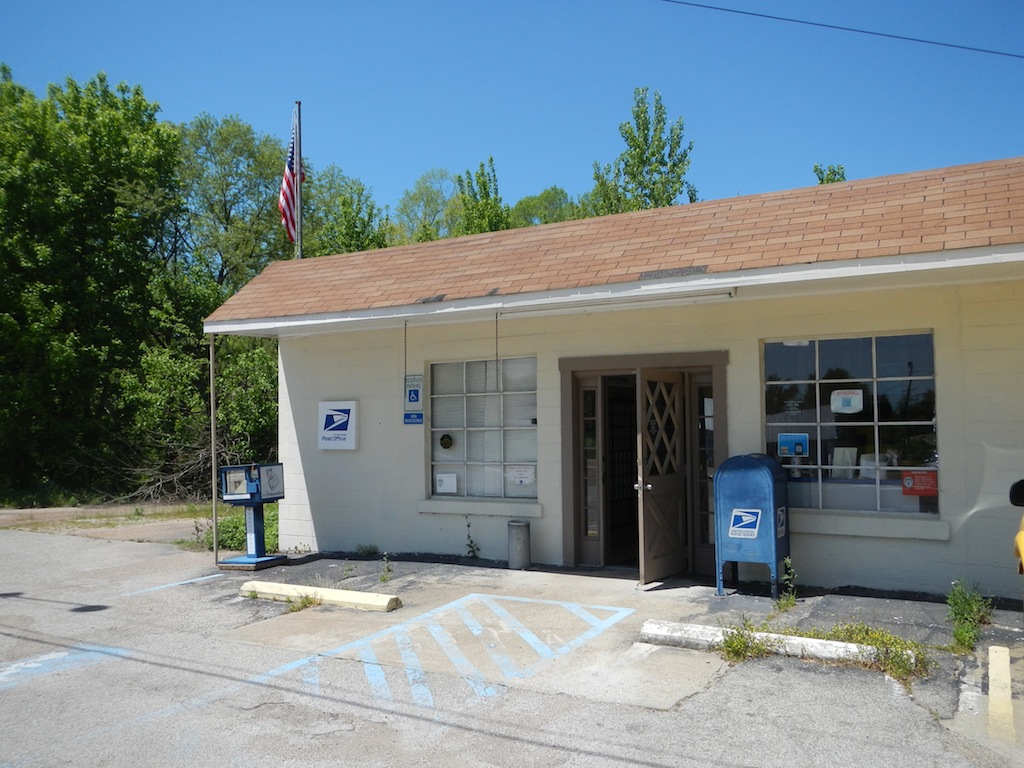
[829, 175]
[650, 172]
[226, 232]
[231, 177]
[551, 205]
[482, 206]
[428, 211]
[341, 216]
[78, 256]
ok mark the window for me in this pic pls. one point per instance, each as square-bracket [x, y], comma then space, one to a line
[853, 422]
[483, 428]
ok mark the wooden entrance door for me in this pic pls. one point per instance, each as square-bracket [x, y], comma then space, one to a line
[661, 443]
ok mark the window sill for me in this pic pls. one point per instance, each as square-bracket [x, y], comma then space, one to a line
[880, 525]
[470, 506]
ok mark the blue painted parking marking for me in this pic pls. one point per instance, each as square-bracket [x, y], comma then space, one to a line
[19, 672]
[175, 584]
[474, 614]
[487, 618]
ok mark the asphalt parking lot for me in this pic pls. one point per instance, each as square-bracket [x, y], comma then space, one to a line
[120, 652]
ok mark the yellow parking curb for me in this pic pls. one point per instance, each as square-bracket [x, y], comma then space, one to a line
[363, 601]
[1000, 694]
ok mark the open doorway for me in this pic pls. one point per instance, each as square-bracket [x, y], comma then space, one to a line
[643, 459]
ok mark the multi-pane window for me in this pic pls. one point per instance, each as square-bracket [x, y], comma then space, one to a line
[853, 421]
[483, 428]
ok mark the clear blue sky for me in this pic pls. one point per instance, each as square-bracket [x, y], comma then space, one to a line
[391, 89]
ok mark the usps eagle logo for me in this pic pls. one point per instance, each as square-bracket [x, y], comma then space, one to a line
[337, 419]
[744, 523]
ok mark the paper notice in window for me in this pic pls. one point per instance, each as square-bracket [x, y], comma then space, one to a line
[522, 474]
[847, 401]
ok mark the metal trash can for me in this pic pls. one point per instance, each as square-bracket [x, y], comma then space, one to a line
[751, 511]
[518, 545]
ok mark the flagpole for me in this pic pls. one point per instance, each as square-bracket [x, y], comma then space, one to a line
[298, 179]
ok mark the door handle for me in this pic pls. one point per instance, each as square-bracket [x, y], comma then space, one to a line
[647, 487]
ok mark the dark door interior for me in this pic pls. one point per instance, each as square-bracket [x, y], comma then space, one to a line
[622, 528]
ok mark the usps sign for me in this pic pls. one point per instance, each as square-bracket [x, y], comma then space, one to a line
[743, 523]
[338, 424]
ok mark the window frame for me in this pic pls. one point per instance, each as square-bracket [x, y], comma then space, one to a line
[484, 430]
[903, 482]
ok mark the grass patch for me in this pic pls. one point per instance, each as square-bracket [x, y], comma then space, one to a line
[897, 657]
[95, 518]
[231, 531]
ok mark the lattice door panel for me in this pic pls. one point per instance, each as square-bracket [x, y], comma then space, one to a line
[662, 432]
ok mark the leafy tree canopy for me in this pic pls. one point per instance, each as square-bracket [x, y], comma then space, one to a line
[429, 210]
[341, 216]
[829, 175]
[551, 205]
[230, 179]
[77, 251]
[482, 207]
[650, 171]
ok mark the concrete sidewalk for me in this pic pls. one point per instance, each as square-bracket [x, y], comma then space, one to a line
[917, 617]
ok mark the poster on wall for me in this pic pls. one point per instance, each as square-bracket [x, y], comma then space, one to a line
[338, 422]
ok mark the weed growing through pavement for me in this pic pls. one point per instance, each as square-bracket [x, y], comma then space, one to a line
[385, 574]
[968, 611]
[305, 601]
[787, 599]
[742, 643]
[472, 550]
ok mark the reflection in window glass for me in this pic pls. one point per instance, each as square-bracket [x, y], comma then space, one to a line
[905, 355]
[865, 408]
[789, 361]
[844, 359]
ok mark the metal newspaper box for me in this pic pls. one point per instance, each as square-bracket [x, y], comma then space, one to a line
[751, 515]
[251, 486]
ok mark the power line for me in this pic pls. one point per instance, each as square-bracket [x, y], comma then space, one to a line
[845, 29]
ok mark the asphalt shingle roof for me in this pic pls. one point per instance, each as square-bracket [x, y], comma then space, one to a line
[913, 213]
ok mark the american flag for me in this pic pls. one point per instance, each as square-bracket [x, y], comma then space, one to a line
[286, 202]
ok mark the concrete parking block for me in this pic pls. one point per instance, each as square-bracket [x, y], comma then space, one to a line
[363, 601]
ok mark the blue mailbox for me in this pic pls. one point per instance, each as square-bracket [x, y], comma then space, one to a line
[251, 486]
[751, 515]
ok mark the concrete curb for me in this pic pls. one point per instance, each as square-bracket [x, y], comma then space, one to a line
[363, 601]
[703, 638]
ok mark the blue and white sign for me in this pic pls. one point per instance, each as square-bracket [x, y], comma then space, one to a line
[743, 523]
[339, 426]
[794, 444]
[414, 393]
[414, 399]
[847, 401]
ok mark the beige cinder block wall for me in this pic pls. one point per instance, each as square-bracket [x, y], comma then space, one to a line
[378, 495]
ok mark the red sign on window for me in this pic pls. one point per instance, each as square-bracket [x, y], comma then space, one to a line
[920, 482]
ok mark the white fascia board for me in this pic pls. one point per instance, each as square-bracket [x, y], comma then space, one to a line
[693, 289]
